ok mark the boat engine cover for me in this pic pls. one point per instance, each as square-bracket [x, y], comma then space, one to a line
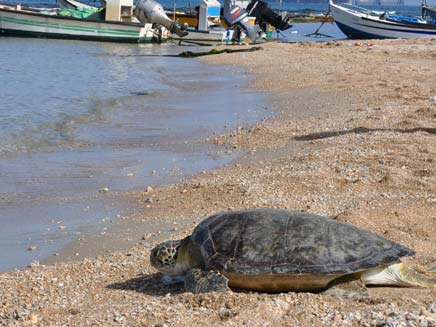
[264, 14]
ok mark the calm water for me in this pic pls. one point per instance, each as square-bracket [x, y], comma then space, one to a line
[76, 117]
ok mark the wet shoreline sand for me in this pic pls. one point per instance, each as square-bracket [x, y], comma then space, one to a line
[66, 156]
[353, 139]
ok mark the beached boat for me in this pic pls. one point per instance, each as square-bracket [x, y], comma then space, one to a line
[31, 22]
[360, 23]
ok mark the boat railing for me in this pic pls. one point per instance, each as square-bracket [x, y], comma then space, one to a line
[361, 10]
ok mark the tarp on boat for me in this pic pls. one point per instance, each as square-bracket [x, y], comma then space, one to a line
[404, 19]
[81, 13]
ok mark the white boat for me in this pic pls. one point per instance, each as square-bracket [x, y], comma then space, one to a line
[360, 23]
[31, 22]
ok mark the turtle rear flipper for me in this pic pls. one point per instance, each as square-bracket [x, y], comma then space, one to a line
[200, 281]
[397, 274]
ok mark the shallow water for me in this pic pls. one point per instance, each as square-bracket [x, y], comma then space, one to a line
[77, 117]
[304, 32]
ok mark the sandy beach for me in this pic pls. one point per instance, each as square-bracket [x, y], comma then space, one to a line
[352, 138]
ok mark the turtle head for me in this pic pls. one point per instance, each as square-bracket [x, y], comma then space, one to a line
[164, 257]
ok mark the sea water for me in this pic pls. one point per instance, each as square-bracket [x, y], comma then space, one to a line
[83, 122]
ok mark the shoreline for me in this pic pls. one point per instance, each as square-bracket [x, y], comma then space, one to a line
[133, 227]
[140, 139]
[353, 142]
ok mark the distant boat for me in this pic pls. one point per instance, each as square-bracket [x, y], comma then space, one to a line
[360, 23]
[31, 22]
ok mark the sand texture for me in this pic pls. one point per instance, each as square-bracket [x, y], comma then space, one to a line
[353, 138]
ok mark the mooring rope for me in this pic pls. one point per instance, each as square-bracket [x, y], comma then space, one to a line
[326, 16]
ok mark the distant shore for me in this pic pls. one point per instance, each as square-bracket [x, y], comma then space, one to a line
[353, 137]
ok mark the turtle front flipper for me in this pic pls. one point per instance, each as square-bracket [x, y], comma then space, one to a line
[200, 281]
[397, 274]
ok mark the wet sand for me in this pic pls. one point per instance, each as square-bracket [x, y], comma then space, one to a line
[352, 138]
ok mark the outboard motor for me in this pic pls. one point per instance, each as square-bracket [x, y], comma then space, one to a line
[235, 16]
[149, 11]
[264, 14]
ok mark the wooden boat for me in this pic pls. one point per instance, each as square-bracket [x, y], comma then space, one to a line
[360, 23]
[31, 22]
[183, 17]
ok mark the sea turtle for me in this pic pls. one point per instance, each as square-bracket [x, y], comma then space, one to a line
[279, 250]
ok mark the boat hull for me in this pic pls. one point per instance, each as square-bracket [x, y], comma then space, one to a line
[218, 35]
[359, 25]
[26, 24]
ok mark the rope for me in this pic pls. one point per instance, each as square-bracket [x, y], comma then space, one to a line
[326, 15]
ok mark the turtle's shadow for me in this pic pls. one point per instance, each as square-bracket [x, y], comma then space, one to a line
[149, 284]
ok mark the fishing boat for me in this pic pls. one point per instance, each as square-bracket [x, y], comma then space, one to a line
[360, 23]
[95, 25]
